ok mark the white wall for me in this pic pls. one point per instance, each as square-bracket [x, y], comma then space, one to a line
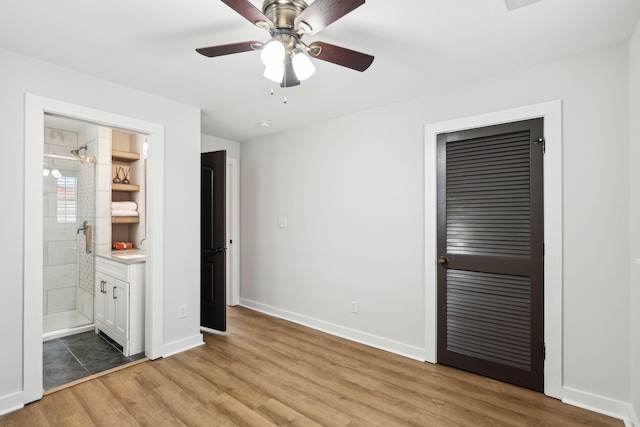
[634, 120]
[20, 75]
[352, 191]
[213, 143]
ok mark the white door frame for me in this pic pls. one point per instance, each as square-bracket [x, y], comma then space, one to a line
[552, 114]
[233, 231]
[35, 108]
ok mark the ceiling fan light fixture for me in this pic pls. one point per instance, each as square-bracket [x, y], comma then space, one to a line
[302, 65]
[275, 72]
[273, 53]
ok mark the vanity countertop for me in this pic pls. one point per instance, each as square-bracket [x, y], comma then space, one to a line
[131, 256]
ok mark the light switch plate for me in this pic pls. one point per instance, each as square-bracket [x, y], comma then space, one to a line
[282, 222]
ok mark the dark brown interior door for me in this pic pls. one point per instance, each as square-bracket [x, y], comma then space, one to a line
[490, 248]
[213, 309]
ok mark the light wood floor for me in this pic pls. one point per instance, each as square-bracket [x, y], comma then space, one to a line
[269, 372]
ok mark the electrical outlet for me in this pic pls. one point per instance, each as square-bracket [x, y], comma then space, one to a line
[183, 312]
[354, 307]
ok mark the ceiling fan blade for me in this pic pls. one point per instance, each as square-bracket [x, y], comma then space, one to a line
[341, 56]
[249, 12]
[228, 49]
[322, 13]
[289, 79]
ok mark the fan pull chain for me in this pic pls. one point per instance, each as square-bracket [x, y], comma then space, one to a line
[285, 100]
[272, 89]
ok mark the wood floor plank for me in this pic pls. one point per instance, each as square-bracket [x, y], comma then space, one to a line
[269, 372]
[92, 395]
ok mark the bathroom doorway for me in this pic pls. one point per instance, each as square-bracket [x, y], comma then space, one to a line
[36, 107]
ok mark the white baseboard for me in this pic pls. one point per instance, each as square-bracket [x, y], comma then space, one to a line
[599, 404]
[182, 345]
[11, 402]
[339, 331]
[634, 421]
[212, 331]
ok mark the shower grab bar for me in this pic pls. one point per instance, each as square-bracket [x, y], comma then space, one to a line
[86, 230]
[88, 240]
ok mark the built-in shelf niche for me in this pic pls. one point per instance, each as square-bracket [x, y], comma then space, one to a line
[129, 188]
[125, 153]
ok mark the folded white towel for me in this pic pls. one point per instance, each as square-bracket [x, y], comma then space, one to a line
[122, 212]
[124, 206]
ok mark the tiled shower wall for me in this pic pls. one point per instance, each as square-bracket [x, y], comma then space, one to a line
[60, 243]
[87, 212]
[103, 191]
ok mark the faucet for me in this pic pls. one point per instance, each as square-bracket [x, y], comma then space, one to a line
[83, 228]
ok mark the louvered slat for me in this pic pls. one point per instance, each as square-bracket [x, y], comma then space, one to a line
[488, 317]
[477, 169]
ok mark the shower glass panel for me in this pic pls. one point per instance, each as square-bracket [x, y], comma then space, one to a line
[69, 226]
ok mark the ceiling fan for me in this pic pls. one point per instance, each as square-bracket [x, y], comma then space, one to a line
[285, 55]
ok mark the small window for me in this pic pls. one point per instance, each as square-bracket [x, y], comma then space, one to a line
[67, 199]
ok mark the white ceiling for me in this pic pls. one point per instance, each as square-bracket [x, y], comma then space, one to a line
[421, 46]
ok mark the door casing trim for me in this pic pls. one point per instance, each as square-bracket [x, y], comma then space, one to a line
[35, 108]
[552, 113]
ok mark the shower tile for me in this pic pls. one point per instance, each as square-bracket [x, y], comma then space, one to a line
[45, 303]
[89, 134]
[104, 231]
[45, 253]
[87, 304]
[54, 230]
[103, 178]
[104, 248]
[61, 150]
[49, 184]
[63, 252]
[104, 150]
[104, 204]
[104, 132]
[79, 300]
[66, 138]
[60, 276]
[45, 205]
[61, 300]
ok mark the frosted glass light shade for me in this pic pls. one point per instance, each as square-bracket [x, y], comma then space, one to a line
[302, 66]
[45, 172]
[273, 53]
[55, 173]
[275, 73]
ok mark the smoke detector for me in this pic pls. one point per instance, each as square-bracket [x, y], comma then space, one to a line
[516, 4]
[264, 124]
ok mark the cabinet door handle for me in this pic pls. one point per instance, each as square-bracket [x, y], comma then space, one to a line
[114, 293]
[102, 283]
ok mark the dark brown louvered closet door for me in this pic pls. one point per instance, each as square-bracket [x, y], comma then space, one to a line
[490, 248]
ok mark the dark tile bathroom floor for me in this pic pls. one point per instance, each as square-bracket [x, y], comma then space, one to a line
[77, 356]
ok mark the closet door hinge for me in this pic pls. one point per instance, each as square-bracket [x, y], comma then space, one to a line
[542, 142]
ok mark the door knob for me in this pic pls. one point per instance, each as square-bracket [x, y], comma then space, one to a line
[443, 260]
